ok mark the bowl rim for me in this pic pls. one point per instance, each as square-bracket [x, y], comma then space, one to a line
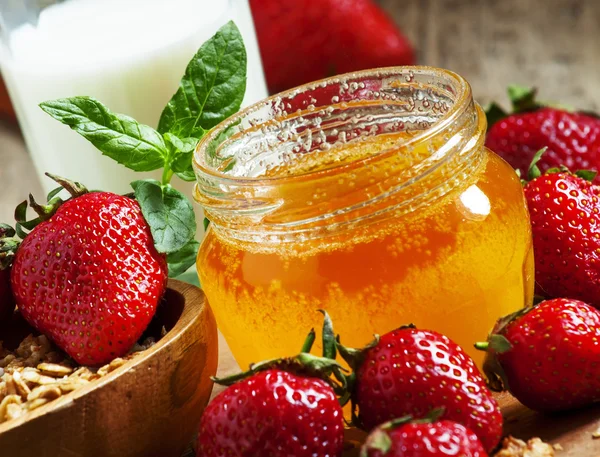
[192, 310]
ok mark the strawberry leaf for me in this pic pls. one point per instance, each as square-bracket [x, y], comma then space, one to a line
[534, 171]
[588, 175]
[169, 214]
[309, 341]
[213, 86]
[54, 192]
[120, 137]
[522, 98]
[8, 245]
[379, 440]
[184, 258]
[329, 344]
[6, 231]
[494, 113]
[499, 343]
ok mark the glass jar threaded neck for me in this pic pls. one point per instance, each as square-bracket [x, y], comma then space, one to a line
[354, 149]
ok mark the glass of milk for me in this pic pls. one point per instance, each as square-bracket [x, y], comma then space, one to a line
[129, 54]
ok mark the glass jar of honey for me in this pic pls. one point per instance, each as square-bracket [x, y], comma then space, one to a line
[370, 195]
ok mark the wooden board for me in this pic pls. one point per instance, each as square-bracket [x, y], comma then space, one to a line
[573, 431]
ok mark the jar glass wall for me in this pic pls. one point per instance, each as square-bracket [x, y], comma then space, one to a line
[369, 195]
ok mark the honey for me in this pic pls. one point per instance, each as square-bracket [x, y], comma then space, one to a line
[405, 219]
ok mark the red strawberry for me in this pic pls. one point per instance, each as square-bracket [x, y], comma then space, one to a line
[548, 356]
[89, 277]
[411, 372]
[422, 439]
[565, 216]
[306, 40]
[7, 303]
[273, 413]
[573, 139]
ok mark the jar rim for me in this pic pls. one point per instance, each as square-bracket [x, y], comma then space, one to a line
[461, 104]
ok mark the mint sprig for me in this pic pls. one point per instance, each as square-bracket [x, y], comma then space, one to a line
[211, 90]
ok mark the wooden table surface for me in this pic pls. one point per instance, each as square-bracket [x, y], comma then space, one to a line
[552, 44]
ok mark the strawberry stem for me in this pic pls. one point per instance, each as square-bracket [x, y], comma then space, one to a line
[482, 346]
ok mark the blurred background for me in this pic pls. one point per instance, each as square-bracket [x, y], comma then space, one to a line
[550, 44]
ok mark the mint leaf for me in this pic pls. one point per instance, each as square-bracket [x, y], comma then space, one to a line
[183, 259]
[181, 145]
[187, 127]
[168, 212]
[187, 175]
[212, 87]
[120, 137]
[183, 154]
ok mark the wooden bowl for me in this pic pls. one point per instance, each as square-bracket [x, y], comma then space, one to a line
[149, 407]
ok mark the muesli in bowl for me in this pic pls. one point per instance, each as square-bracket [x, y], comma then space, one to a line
[36, 372]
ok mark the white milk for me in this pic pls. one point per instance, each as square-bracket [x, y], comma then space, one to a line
[129, 54]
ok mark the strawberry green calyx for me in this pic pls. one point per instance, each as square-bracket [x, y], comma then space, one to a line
[330, 352]
[304, 363]
[534, 172]
[310, 340]
[301, 364]
[45, 212]
[355, 357]
[325, 368]
[9, 243]
[523, 99]
[496, 344]
[379, 439]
